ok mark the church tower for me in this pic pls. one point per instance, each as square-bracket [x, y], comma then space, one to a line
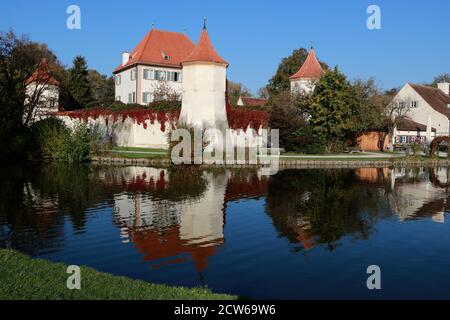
[304, 81]
[204, 86]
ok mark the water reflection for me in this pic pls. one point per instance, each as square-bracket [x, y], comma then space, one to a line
[177, 216]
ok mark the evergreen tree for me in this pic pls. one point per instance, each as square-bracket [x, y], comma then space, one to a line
[79, 85]
[332, 110]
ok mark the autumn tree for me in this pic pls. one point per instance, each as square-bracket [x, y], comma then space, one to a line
[236, 90]
[102, 88]
[19, 59]
[263, 93]
[286, 116]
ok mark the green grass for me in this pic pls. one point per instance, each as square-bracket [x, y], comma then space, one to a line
[138, 153]
[140, 156]
[139, 149]
[24, 278]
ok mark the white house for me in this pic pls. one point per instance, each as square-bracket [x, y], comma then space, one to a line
[153, 66]
[42, 91]
[430, 108]
[304, 81]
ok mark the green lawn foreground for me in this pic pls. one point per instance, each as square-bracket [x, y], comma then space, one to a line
[24, 278]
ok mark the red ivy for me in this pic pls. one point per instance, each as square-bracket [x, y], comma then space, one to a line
[139, 117]
[243, 118]
[238, 118]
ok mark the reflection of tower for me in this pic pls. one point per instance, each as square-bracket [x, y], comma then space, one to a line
[202, 221]
[164, 229]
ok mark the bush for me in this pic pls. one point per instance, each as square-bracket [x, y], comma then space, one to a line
[48, 135]
[295, 133]
[163, 105]
[53, 140]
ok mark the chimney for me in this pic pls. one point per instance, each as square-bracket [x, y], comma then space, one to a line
[444, 87]
[125, 58]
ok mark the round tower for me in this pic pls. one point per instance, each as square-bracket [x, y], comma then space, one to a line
[204, 86]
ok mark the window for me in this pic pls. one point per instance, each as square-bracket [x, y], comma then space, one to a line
[133, 74]
[401, 104]
[160, 75]
[132, 97]
[118, 79]
[414, 104]
[165, 56]
[149, 74]
[146, 97]
[173, 76]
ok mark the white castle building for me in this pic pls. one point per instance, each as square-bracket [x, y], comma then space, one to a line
[155, 63]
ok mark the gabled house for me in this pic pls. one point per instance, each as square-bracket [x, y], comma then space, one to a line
[305, 79]
[429, 111]
[153, 69]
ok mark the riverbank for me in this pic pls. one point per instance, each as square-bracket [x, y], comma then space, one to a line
[24, 278]
[295, 162]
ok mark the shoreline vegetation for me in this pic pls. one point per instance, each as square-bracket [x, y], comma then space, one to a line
[26, 278]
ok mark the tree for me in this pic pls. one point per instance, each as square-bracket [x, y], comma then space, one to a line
[102, 88]
[394, 112]
[287, 117]
[331, 110]
[19, 59]
[288, 66]
[445, 77]
[78, 83]
[236, 90]
[263, 93]
[370, 105]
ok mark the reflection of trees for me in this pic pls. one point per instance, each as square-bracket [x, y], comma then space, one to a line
[321, 206]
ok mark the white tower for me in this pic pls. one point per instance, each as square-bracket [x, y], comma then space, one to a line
[204, 85]
[304, 81]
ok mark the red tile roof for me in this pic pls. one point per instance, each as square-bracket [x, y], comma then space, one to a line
[155, 45]
[437, 99]
[248, 101]
[310, 69]
[204, 51]
[42, 76]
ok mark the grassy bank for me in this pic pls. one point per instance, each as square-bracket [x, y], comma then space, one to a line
[24, 278]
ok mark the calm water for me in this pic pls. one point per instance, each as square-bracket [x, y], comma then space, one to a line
[299, 234]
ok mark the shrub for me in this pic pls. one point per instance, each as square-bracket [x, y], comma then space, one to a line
[53, 140]
[48, 135]
[295, 133]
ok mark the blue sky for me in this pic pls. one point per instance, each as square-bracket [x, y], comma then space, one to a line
[413, 44]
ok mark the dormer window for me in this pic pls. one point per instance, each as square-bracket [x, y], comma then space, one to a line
[165, 56]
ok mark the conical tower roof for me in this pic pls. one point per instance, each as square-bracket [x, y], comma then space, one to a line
[310, 69]
[204, 51]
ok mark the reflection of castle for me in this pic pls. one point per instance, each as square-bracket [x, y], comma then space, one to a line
[420, 193]
[162, 229]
